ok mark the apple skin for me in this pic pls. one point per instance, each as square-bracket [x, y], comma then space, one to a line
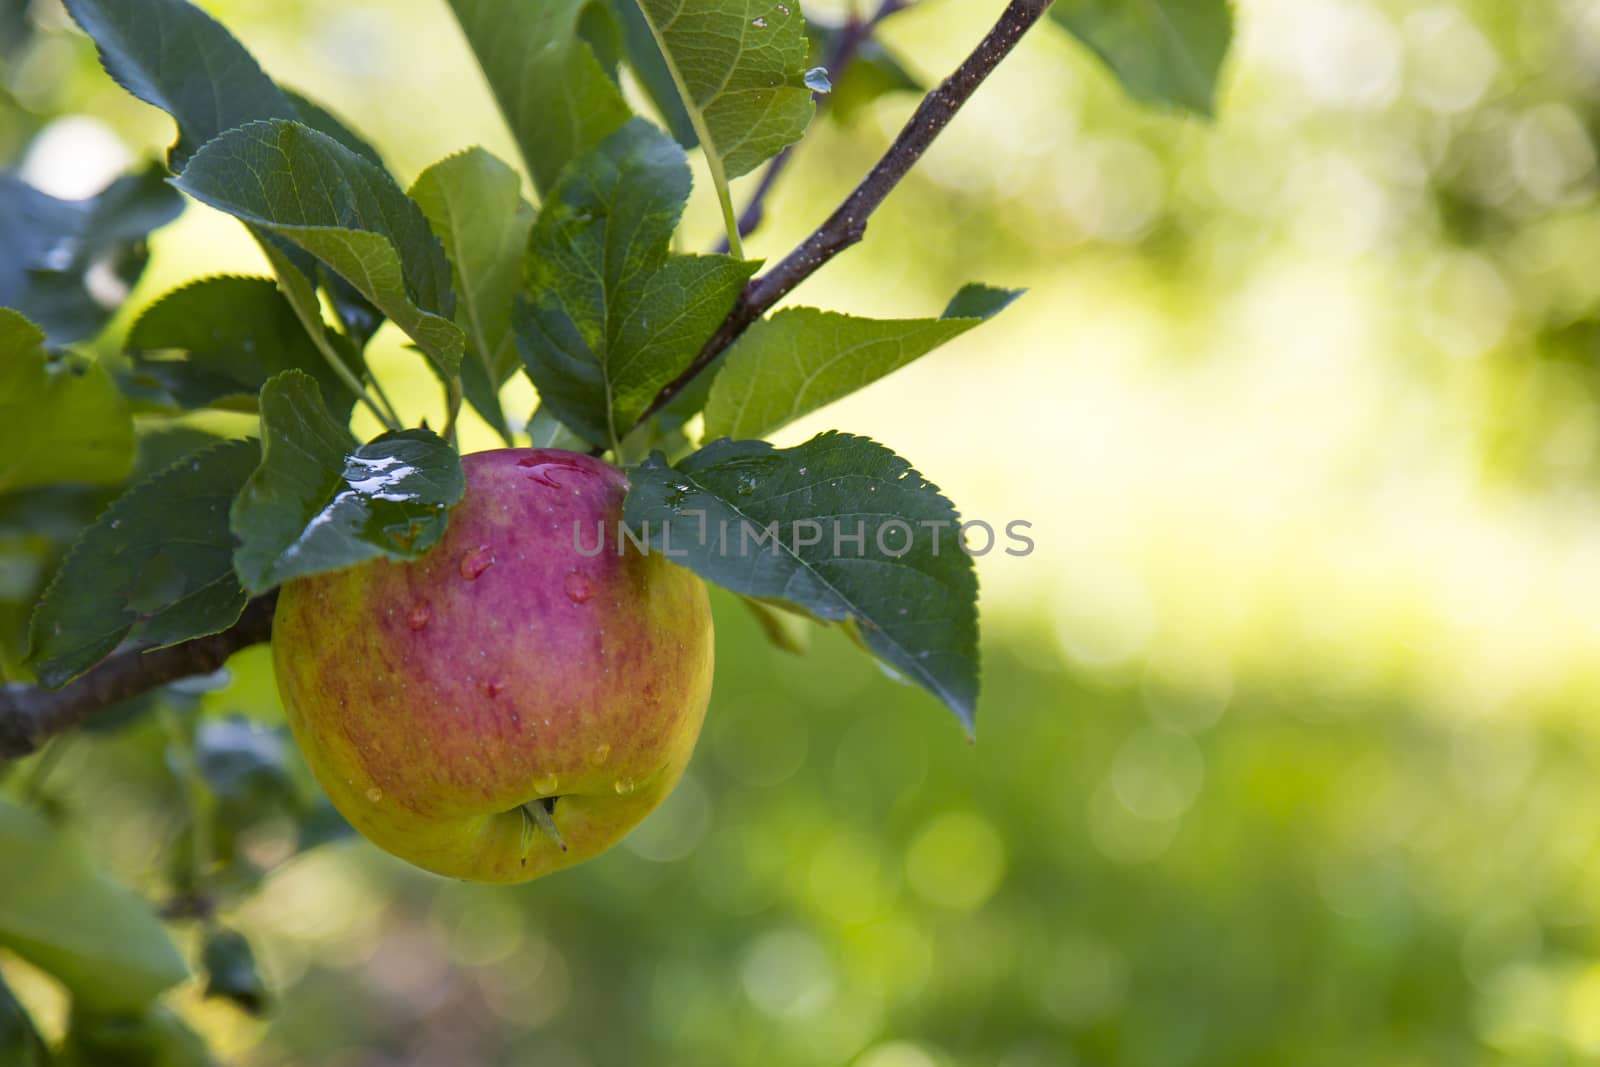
[434, 697]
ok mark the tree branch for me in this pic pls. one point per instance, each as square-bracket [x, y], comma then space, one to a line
[31, 715]
[853, 36]
[848, 224]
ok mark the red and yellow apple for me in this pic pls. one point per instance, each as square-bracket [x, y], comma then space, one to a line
[513, 702]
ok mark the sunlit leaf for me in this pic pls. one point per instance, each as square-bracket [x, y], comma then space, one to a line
[1164, 51]
[474, 204]
[741, 68]
[64, 916]
[553, 91]
[802, 359]
[61, 418]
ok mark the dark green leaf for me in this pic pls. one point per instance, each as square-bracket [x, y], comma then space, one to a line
[155, 568]
[155, 1037]
[171, 54]
[61, 419]
[215, 343]
[1163, 51]
[644, 55]
[307, 188]
[230, 969]
[322, 120]
[741, 68]
[247, 767]
[474, 204]
[802, 359]
[318, 502]
[611, 315]
[908, 586]
[64, 916]
[20, 1044]
[555, 94]
[69, 264]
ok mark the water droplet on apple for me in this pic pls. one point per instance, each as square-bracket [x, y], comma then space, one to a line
[374, 794]
[476, 562]
[418, 619]
[547, 784]
[623, 786]
[543, 471]
[578, 589]
[601, 753]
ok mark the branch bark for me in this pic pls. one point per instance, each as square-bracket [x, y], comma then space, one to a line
[30, 715]
[848, 224]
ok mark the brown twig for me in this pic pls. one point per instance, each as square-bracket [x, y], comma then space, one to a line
[31, 715]
[848, 224]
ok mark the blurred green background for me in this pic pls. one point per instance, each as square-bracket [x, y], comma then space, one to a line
[1286, 748]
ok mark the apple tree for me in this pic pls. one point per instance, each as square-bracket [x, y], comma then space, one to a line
[141, 549]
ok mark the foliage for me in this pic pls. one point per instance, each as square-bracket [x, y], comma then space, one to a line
[131, 520]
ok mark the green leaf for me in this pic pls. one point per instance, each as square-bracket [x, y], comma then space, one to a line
[474, 204]
[908, 586]
[61, 419]
[740, 68]
[786, 631]
[69, 264]
[215, 342]
[20, 1044]
[171, 54]
[611, 315]
[802, 359]
[318, 502]
[231, 972]
[156, 1037]
[322, 120]
[307, 188]
[156, 568]
[60, 913]
[553, 91]
[1163, 51]
[644, 56]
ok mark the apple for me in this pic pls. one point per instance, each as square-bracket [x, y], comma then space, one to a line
[514, 701]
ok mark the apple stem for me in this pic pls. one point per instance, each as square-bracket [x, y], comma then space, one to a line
[541, 813]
